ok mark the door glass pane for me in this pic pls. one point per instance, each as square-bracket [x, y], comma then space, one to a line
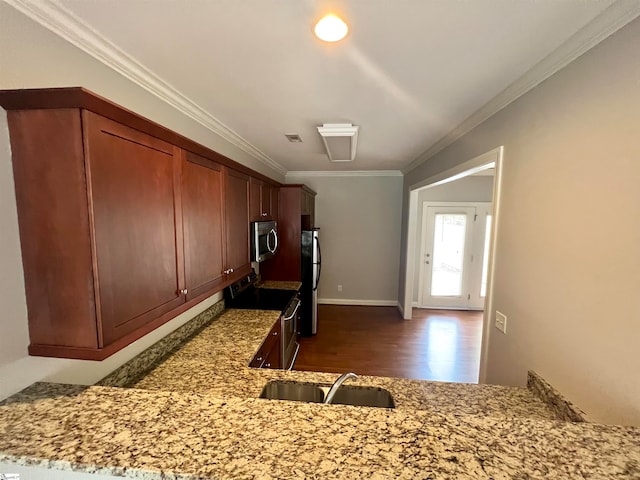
[485, 257]
[448, 254]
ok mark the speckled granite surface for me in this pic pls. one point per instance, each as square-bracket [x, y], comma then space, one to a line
[563, 407]
[138, 366]
[163, 430]
[170, 435]
[280, 285]
[215, 363]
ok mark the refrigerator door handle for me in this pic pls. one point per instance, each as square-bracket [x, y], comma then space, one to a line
[319, 269]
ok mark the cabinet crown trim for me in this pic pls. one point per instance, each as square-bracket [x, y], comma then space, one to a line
[80, 97]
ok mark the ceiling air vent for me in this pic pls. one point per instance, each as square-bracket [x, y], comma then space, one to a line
[293, 137]
[340, 140]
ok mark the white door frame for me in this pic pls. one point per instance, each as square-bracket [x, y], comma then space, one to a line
[423, 228]
[493, 158]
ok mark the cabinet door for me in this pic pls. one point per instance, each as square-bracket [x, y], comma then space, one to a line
[138, 250]
[275, 203]
[237, 223]
[304, 203]
[273, 343]
[255, 200]
[312, 211]
[202, 204]
[265, 202]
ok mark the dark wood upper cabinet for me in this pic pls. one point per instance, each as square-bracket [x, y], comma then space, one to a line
[296, 213]
[202, 207]
[124, 224]
[263, 201]
[133, 205]
[275, 202]
[237, 258]
[53, 216]
[255, 200]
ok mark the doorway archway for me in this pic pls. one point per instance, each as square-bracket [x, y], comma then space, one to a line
[491, 159]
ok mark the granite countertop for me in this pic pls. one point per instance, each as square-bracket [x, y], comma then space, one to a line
[196, 416]
[215, 363]
[280, 285]
[159, 435]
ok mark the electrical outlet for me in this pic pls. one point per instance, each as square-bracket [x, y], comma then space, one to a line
[501, 322]
[339, 288]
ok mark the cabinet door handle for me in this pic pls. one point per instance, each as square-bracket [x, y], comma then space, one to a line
[263, 214]
[267, 365]
[275, 334]
[184, 291]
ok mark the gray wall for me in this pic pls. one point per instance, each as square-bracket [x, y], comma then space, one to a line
[568, 258]
[31, 56]
[467, 189]
[359, 218]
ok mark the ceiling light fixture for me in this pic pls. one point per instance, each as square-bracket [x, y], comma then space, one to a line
[340, 141]
[331, 28]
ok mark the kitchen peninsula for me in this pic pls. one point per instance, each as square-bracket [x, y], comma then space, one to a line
[196, 414]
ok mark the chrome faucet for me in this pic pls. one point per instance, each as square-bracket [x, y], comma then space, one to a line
[336, 385]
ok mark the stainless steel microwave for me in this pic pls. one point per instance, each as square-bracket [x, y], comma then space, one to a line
[264, 240]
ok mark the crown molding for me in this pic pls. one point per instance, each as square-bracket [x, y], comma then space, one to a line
[609, 21]
[61, 21]
[351, 173]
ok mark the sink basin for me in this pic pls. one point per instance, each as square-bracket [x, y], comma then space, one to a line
[311, 392]
[364, 397]
[296, 391]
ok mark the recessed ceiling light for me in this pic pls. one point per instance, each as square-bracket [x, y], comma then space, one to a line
[331, 28]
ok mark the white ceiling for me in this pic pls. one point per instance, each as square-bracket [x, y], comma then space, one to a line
[408, 73]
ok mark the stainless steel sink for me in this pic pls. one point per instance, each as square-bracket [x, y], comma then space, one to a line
[311, 392]
[299, 392]
[364, 397]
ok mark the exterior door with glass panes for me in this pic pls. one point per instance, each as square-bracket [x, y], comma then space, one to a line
[454, 256]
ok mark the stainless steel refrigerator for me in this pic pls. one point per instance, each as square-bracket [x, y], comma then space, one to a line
[311, 267]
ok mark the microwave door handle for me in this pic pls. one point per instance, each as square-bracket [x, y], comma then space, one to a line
[275, 238]
[269, 243]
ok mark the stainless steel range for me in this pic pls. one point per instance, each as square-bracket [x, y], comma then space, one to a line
[244, 294]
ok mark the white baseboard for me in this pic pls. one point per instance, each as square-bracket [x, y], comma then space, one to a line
[475, 309]
[358, 301]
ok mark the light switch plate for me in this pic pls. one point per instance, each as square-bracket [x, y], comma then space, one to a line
[501, 322]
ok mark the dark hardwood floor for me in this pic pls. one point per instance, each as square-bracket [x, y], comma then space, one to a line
[439, 345]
